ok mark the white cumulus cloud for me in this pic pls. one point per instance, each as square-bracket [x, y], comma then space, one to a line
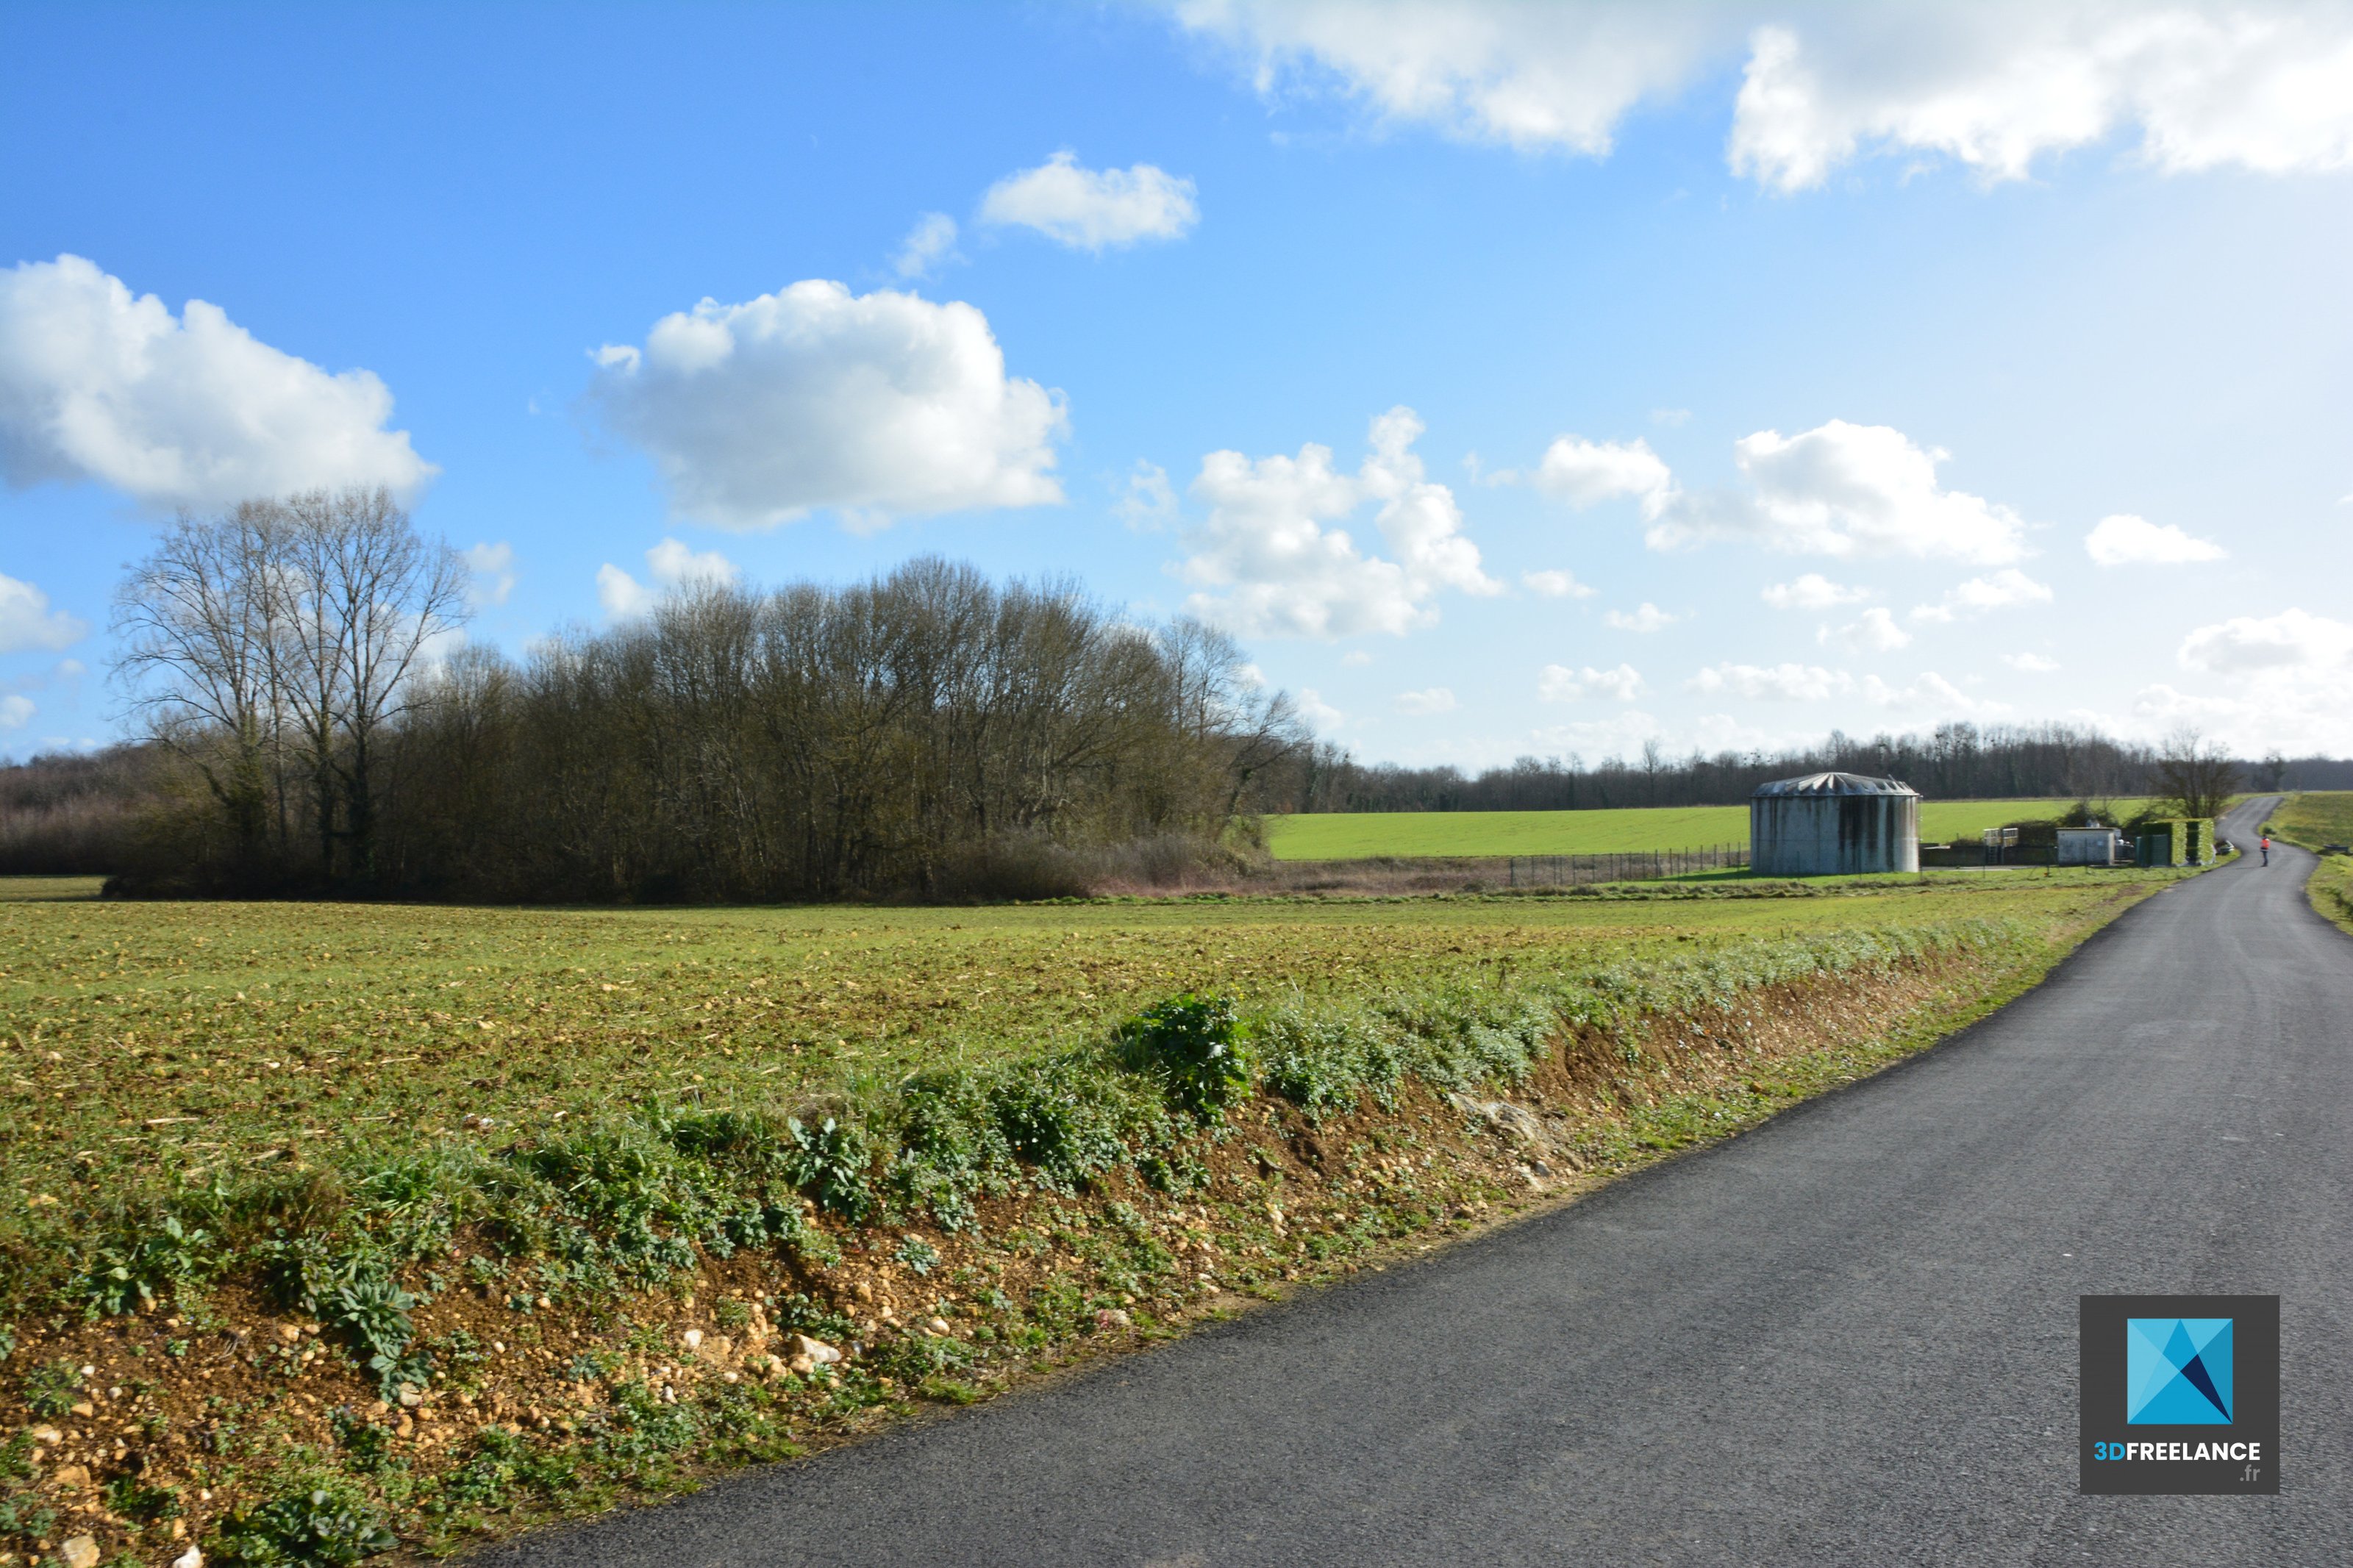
[2125, 540]
[15, 711]
[1148, 504]
[1559, 683]
[1433, 700]
[1585, 473]
[928, 245]
[2004, 590]
[1091, 209]
[1841, 489]
[1995, 87]
[1537, 76]
[1556, 586]
[1930, 694]
[492, 566]
[2291, 640]
[1773, 683]
[1649, 618]
[1268, 566]
[1316, 713]
[26, 621]
[1812, 592]
[191, 410]
[1874, 631]
[874, 404]
[672, 565]
[2030, 663]
[1991, 85]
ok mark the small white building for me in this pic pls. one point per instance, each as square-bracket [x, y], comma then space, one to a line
[2089, 845]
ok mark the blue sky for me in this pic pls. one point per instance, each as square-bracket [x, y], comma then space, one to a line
[2092, 256]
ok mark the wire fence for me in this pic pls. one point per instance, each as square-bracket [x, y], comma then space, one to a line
[1645, 865]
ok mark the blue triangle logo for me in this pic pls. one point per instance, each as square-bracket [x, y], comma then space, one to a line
[2177, 1371]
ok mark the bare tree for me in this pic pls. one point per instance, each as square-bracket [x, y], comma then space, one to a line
[2194, 775]
[199, 669]
[369, 599]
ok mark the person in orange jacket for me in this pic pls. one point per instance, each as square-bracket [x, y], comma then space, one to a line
[2267, 849]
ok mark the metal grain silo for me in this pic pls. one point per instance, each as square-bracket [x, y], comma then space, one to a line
[1833, 824]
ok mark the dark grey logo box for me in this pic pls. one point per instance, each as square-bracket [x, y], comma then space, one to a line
[2237, 1376]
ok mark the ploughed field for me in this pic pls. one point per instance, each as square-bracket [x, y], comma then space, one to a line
[1368, 835]
[326, 1225]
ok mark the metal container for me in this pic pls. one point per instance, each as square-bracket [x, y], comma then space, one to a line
[1833, 824]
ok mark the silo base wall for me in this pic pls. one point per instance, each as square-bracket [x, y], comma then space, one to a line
[1833, 835]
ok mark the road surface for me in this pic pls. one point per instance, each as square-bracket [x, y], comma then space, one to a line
[1846, 1337]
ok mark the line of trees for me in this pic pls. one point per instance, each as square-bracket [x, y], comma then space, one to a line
[314, 723]
[1957, 761]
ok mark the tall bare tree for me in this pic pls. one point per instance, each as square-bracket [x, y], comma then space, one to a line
[2195, 775]
[200, 623]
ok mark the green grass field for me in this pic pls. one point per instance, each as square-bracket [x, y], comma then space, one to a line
[2312, 819]
[153, 1040]
[1356, 836]
[508, 1168]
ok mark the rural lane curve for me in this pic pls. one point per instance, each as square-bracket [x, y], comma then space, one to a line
[1848, 1336]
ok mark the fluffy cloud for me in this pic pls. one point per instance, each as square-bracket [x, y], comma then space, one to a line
[1812, 592]
[2125, 540]
[874, 404]
[1088, 209]
[1316, 713]
[1995, 87]
[1585, 473]
[672, 565]
[2004, 590]
[1992, 85]
[15, 711]
[1840, 490]
[26, 621]
[929, 243]
[1278, 572]
[1874, 631]
[2291, 640]
[494, 574]
[1649, 618]
[1559, 683]
[193, 410]
[2030, 663]
[1931, 695]
[1532, 75]
[1148, 505]
[1433, 700]
[1773, 683]
[1556, 586]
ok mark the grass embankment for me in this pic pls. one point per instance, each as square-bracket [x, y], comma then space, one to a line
[2316, 819]
[1368, 835]
[329, 1225]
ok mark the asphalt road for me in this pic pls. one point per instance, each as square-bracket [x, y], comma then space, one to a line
[1846, 1337]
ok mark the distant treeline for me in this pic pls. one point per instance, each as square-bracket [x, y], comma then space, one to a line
[928, 733]
[1953, 762]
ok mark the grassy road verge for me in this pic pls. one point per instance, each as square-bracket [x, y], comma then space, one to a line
[334, 1227]
[2316, 819]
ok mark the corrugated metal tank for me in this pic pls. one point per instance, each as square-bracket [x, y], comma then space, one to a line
[1833, 824]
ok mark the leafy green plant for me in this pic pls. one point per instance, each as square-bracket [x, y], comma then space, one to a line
[131, 1271]
[1196, 1044]
[917, 1255]
[368, 1444]
[51, 1388]
[325, 1527]
[829, 1163]
[133, 1498]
